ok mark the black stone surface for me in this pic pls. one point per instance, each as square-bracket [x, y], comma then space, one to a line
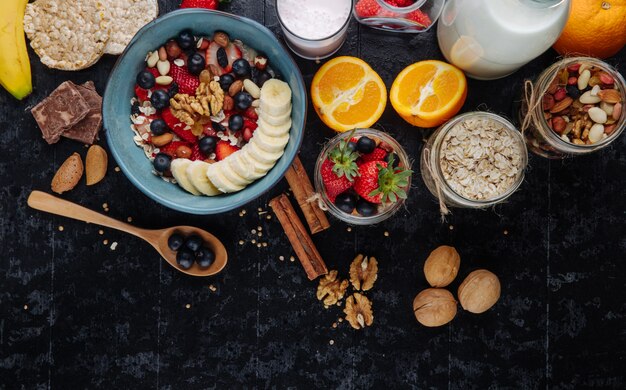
[76, 314]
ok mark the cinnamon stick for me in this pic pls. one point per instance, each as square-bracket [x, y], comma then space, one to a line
[300, 240]
[303, 191]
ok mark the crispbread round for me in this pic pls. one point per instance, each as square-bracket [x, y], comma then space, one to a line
[125, 18]
[67, 34]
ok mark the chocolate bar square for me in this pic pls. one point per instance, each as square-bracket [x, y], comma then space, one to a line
[87, 129]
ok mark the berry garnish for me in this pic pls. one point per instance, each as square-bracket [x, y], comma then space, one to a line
[379, 183]
[345, 202]
[187, 83]
[160, 99]
[205, 257]
[162, 162]
[158, 127]
[193, 242]
[186, 40]
[185, 258]
[196, 63]
[378, 154]
[365, 208]
[243, 100]
[207, 145]
[226, 81]
[365, 145]
[241, 68]
[145, 79]
[393, 159]
[259, 78]
[235, 122]
[175, 241]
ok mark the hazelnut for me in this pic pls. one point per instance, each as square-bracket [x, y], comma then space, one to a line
[479, 291]
[183, 151]
[442, 266]
[172, 49]
[434, 307]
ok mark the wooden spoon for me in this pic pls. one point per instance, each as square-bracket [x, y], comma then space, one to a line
[157, 238]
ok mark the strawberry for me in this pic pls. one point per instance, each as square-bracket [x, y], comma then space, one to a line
[170, 148]
[249, 124]
[247, 134]
[208, 4]
[196, 154]
[250, 113]
[187, 83]
[367, 8]
[420, 18]
[177, 126]
[377, 155]
[154, 71]
[401, 3]
[142, 94]
[232, 53]
[333, 184]
[224, 149]
[379, 184]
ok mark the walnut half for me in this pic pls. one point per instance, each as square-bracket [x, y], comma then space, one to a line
[331, 289]
[363, 272]
[359, 311]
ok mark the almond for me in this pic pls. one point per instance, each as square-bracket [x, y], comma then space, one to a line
[562, 105]
[68, 174]
[610, 96]
[95, 164]
[235, 88]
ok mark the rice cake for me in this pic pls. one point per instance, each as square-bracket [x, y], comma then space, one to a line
[125, 18]
[67, 34]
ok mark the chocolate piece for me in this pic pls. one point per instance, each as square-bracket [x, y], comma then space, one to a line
[64, 108]
[87, 129]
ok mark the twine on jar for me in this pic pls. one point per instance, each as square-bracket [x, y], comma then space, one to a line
[316, 197]
[443, 208]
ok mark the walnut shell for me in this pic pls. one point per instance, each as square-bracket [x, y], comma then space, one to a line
[479, 291]
[442, 266]
[434, 307]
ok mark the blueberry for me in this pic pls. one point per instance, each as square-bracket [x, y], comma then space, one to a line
[185, 258]
[261, 78]
[160, 99]
[134, 109]
[241, 68]
[217, 126]
[205, 257]
[158, 127]
[573, 91]
[196, 63]
[162, 162]
[345, 202]
[175, 241]
[235, 122]
[207, 145]
[366, 145]
[173, 89]
[193, 242]
[145, 79]
[351, 146]
[222, 57]
[186, 40]
[226, 80]
[396, 159]
[365, 208]
[243, 100]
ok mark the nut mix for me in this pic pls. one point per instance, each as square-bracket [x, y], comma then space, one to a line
[442, 266]
[479, 291]
[583, 103]
[434, 307]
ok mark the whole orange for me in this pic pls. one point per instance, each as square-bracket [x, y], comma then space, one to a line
[595, 27]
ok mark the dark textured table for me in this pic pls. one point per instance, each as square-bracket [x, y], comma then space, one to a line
[76, 314]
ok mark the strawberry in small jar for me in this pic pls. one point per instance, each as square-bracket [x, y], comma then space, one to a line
[363, 177]
[407, 16]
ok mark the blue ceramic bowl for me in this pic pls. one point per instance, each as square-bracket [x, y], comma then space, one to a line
[119, 91]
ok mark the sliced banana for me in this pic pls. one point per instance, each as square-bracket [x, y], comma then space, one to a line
[196, 172]
[232, 176]
[254, 169]
[275, 120]
[216, 175]
[179, 171]
[275, 97]
[269, 143]
[262, 156]
[274, 131]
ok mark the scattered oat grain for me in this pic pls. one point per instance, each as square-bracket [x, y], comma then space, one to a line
[105, 205]
[264, 244]
[114, 245]
[386, 234]
[61, 228]
[25, 307]
[506, 232]
[331, 342]
[269, 216]
[116, 169]
[291, 258]
[281, 258]
[129, 219]
[212, 288]
[100, 232]
[253, 231]
[188, 306]
[105, 242]
[451, 227]
[348, 229]
[253, 241]
[241, 242]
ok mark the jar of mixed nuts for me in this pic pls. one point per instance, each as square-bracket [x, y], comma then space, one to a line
[577, 108]
[475, 160]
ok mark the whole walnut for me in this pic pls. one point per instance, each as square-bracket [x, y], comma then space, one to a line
[434, 307]
[442, 266]
[479, 291]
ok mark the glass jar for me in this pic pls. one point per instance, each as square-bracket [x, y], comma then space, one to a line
[541, 139]
[433, 175]
[385, 210]
[417, 17]
[314, 29]
[490, 39]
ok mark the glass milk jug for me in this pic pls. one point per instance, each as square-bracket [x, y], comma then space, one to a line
[490, 39]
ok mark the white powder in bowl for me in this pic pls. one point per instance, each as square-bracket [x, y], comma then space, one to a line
[314, 19]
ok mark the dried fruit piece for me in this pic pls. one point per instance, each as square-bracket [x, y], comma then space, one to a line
[331, 289]
[359, 311]
[68, 174]
[479, 291]
[442, 266]
[95, 164]
[610, 96]
[434, 307]
[363, 272]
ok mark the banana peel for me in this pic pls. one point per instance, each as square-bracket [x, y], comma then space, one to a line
[15, 74]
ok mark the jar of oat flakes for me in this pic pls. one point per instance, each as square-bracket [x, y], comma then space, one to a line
[576, 107]
[475, 160]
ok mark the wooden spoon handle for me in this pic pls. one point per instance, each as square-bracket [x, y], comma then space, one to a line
[51, 204]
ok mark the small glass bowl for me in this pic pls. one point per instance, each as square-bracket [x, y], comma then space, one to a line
[315, 49]
[385, 210]
[398, 19]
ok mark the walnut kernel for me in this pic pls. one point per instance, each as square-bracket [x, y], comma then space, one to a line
[442, 266]
[363, 272]
[479, 291]
[359, 311]
[434, 307]
[331, 289]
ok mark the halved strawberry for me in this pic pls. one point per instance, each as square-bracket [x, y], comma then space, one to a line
[142, 94]
[333, 184]
[170, 149]
[177, 126]
[196, 154]
[250, 113]
[187, 83]
[378, 154]
[232, 54]
[224, 149]
[250, 124]
[420, 18]
[154, 71]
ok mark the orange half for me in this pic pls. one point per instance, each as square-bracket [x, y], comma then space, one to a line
[347, 94]
[428, 93]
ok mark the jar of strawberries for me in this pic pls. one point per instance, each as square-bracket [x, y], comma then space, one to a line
[409, 16]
